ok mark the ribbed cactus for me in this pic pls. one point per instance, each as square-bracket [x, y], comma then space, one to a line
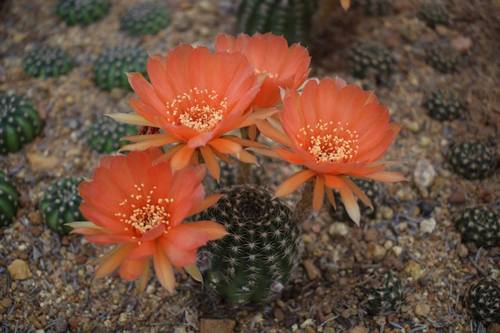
[60, 204]
[9, 200]
[254, 262]
[19, 123]
[483, 300]
[46, 61]
[146, 18]
[105, 135]
[82, 12]
[472, 159]
[371, 60]
[479, 225]
[291, 18]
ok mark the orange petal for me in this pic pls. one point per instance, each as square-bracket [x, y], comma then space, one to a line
[265, 152]
[319, 193]
[245, 142]
[144, 278]
[113, 260]
[190, 236]
[194, 272]
[168, 155]
[350, 204]
[292, 183]
[246, 157]
[331, 197]
[334, 182]
[131, 119]
[177, 256]
[211, 162]
[146, 249]
[386, 176]
[146, 144]
[272, 133]
[132, 269]
[163, 269]
[358, 192]
[207, 202]
[252, 132]
[225, 146]
[181, 158]
[143, 137]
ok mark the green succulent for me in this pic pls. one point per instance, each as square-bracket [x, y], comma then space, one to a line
[46, 61]
[9, 200]
[384, 295]
[60, 204]
[255, 261]
[472, 159]
[105, 135]
[291, 18]
[111, 67]
[433, 15]
[483, 300]
[371, 60]
[479, 225]
[82, 12]
[374, 7]
[443, 59]
[146, 18]
[20, 123]
[444, 105]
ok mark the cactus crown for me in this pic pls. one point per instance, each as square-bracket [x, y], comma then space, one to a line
[9, 200]
[472, 159]
[47, 61]
[443, 59]
[60, 204]
[113, 64]
[146, 18]
[256, 259]
[479, 225]
[385, 295]
[444, 105]
[19, 122]
[433, 15]
[483, 301]
[371, 60]
[82, 12]
[105, 135]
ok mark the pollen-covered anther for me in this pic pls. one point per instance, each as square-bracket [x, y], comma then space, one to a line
[266, 73]
[199, 109]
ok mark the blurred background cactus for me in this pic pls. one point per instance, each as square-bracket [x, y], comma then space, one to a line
[384, 293]
[147, 18]
[105, 134]
[483, 301]
[371, 60]
[82, 12]
[443, 58]
[9, 200]
[46, 61]
[433, 14]
[472, 159]
[444, 105]
[479, 225]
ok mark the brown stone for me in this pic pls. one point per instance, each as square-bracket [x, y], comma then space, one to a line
[359, 329]
[217, 325]
[312, 271]
[19, 270]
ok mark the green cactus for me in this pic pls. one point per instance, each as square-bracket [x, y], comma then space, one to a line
[443, 59]
[19, 122]
[384, 293]
[479, 225]
[105, 135]
[60, 204]
[291, 18]
[371, 60]
[146, 18]
[9, 201]
[47, 61]
[372, 191]
[444, 105]
[82, 12]
[111, 67]
[433, 15]
[472, 159]
[374, 7]
[483, 301]
[254, 262]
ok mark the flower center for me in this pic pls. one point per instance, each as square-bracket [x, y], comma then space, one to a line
[199, 109]
[146, 212]
[329, 142]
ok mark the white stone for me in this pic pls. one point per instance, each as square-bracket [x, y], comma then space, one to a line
[427, 226]
[424, 173]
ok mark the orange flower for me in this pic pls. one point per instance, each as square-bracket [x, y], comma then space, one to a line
[283, 66]
[140, 207]
[196, 97]
[334, 131]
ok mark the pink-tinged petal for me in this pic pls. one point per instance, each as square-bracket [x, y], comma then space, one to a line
[191, 236]
[350, 204]
[163, 269]
[179, 257]
[145, 249]
[153, 233]
[318, 194]
[200, 140]
[131, 270]
[113, 260]
[292, 183]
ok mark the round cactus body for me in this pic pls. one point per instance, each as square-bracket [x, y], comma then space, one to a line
[9, 200]
[385, 294]
[47, 61]
[19, 123]
[255, 261]
[291, 18]
[433, 15]
[443, 59]
[82, 12]
[370, 60]
[472, 159]
[444, 105]
[483, 301]
[479, 225]
[60, 204]
[105, 135]
[147, 18]
[111, 67]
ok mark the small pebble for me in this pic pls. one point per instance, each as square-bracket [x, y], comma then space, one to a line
[414, 270]
[462, 250]
[422, 309]
[427, 226]
[359, 329]
[387, 212]
[338, 229]
[311, 269]
[217, 325]
[19, 270]
[376, 251]
[424, 173]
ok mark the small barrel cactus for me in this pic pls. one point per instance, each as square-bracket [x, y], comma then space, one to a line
[146, 18]
[111, 67]
[483, 301]
[370, 60]
[372, 191]
[444, 105]
[291, 18]
[479, 225]
[443, 59]
[255, 261]
[47, 61]
[374, 7]
[82, 12]
[105, 135]
[60, 204]
[20, 123]
[433, 15]
[472, 159]
[9, 200]
[384, 294]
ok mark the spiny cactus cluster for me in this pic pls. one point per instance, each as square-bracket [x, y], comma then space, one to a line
[370, 60]
[483, 300]
[472, 159]
[105, 135]
[384, 295]
[9, 200]
[256, 259]
[46, 61]
[444, 105]
[60, 204]
[19, 122]
[111, 66]
[372, 191]
[479, 225]
[291, 18]
[443, 59]
[433, 14]
[82, 12]
[146, 18]
[374, 7]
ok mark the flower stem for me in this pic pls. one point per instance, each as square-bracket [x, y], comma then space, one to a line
[303, 208]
